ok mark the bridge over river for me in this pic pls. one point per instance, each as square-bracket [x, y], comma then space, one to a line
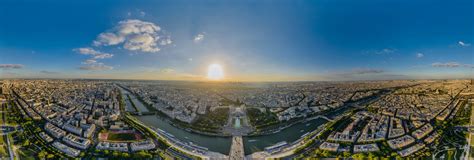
[237, 149]
[323, 117]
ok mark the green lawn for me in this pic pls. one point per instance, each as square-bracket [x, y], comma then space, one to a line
[26, 154]
[212, 121]
[261, 119]
[3, 151]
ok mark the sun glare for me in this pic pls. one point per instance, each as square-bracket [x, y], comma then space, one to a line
[215, 72]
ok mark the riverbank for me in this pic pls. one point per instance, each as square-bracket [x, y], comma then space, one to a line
[176, 124]
[291, 149]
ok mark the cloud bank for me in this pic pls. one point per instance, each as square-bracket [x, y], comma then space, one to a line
[11, 66]
[96, 67]
[450, 65]
[134, 35]
[366, 71]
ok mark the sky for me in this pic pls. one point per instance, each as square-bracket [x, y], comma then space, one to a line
[297, 40]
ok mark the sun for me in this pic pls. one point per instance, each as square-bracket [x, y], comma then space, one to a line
[215, 72]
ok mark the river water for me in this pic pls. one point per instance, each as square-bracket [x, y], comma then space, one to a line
[140, 106]
[222, 144]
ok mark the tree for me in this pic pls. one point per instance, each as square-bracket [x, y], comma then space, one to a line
[26, 142]
[346, 154]
[143, 154]
[398, 157]
[359, 156]
[317, 152]
[115, 153]
[325, 153]
[50, 156]
[372, 155]
[42, 154]
[125, 155]
[394, 154]
[450, 155]
[427, 153]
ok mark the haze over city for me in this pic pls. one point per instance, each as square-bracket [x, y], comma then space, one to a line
[249, 40]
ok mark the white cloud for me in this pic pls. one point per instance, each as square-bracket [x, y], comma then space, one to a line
[96, 67]
[388, 50]
[358, 73]
[103, 56]
[142, 14]
[89, 61]
[143, 42]
[451, 65]
[11, 66]
[463, 44]
[385, 51]
[366, 71]
[48, 72]
[132, 34]
[468, 65]
[86, 51]
[94, 53]
[381, 52]
[419, 55]
[448, 64]
[166, 41]
[190, 59]
[135, 35]
[199, 37]
[167, 70]
[107, 39]
[92, 63]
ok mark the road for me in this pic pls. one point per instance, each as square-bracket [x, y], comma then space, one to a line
[470, 139]
[10, 151]
[5, 136]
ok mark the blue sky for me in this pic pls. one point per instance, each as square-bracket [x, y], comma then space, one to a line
[252, 40]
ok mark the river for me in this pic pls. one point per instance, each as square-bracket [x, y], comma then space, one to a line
[140, 106]
[222, 144]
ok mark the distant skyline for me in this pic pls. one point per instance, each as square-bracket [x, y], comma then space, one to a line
[250, 40]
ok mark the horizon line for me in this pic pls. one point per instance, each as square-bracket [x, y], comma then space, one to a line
[227, 81]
